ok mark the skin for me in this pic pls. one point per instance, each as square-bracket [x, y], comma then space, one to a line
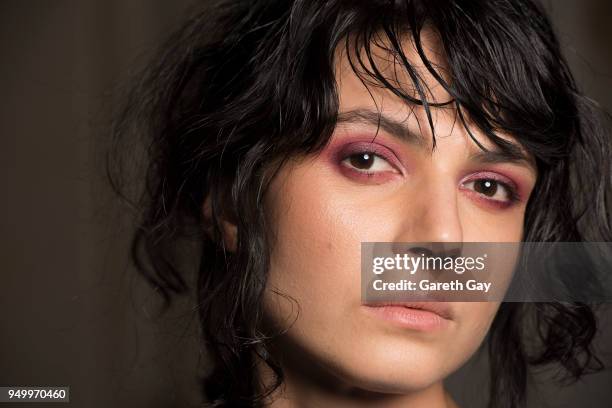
[321, 207]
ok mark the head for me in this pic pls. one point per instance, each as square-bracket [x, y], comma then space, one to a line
[283, 134]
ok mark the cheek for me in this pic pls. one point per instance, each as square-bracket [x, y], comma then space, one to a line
[482, 225]
[475, 320]
[319, 223]
[318, 226]
[478, 316]
[316, 248]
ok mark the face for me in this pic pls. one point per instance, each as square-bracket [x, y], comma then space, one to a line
[385, 185]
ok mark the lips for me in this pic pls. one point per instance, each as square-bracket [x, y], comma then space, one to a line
[442, 309]
[421, 316]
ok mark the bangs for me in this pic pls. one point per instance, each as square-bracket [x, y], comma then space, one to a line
[502, 75]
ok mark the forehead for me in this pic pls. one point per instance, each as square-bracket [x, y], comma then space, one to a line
[383, 77]
[361, 68]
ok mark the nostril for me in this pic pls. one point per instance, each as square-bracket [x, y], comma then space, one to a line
[420, 250]
[428, 249]
[453, 252]
[447, 249]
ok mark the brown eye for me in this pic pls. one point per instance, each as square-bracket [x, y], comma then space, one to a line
[368, 162]
[492, 189]
[362, 161]
[487, 187]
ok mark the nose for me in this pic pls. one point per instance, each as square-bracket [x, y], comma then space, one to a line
[430, 214]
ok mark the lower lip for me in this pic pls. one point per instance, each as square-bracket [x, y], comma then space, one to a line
[409, 318]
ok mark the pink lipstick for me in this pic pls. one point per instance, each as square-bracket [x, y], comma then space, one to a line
[421, 316]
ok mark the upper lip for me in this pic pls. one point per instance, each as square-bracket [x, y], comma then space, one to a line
[442, 309]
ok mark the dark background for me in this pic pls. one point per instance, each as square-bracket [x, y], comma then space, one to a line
[72, 311]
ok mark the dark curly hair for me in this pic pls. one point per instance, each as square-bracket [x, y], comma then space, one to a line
[243, 85]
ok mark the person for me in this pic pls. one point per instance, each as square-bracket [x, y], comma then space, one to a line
[282, 134]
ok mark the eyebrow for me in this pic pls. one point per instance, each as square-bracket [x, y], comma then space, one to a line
[389, 125]
[498, 156]
[399, 130]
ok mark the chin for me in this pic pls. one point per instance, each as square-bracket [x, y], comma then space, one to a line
[401, 375]
[396, 366]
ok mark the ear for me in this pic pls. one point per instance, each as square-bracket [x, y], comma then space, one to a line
[229, 232]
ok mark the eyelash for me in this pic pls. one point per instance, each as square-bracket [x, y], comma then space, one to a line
[380, 155]
[509, 187]
[511, 191]
[367, 155]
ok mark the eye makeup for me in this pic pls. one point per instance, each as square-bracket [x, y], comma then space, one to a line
[491, 178]
[383, 164]
[367, 159]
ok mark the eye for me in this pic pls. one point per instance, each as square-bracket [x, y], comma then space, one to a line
[368, 162]
[491, 189]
